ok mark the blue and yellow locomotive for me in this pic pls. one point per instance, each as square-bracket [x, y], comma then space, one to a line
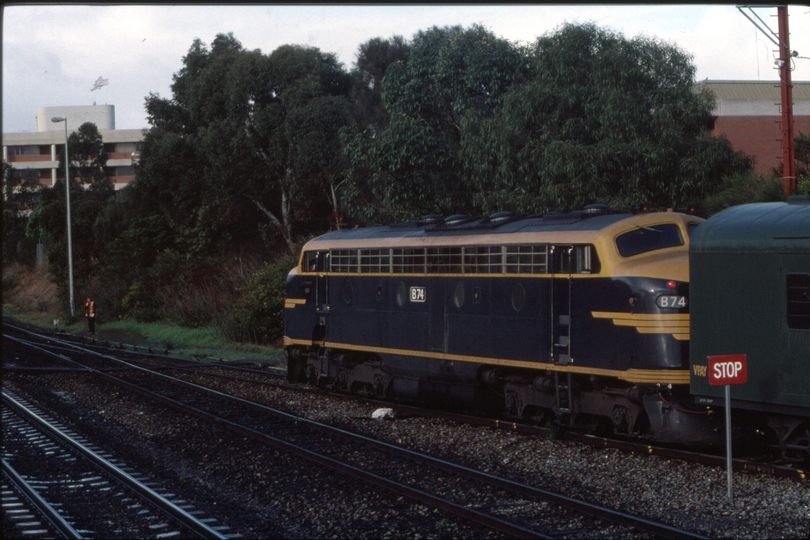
[580, 318]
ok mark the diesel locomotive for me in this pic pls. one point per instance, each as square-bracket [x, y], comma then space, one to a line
[580, 319]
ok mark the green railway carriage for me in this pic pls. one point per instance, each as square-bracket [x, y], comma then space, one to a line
[578, 318]
[750, 294]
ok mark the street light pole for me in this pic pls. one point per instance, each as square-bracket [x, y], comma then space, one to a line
[69, 234]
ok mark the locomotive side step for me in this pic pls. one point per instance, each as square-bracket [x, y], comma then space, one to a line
[563, 360]
[563, 391]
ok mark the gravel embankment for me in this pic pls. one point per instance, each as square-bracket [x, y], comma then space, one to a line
[261, 493]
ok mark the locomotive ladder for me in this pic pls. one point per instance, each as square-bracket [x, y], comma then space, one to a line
[565, 404]
[560, 316]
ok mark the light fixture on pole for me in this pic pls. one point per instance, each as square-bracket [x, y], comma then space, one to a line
[69, 235]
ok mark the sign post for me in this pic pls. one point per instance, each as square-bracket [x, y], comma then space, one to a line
[724, 371]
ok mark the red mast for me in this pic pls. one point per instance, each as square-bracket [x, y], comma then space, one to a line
[788, 149]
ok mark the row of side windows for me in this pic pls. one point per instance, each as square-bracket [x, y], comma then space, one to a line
[505, 259]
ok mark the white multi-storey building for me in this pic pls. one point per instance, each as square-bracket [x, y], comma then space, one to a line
[40, 150]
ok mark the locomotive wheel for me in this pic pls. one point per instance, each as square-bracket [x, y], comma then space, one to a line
[295, 367]
[312, 375]
[341, 381]
[378, 386]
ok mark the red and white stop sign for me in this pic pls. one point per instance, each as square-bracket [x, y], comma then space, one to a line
[728, 369]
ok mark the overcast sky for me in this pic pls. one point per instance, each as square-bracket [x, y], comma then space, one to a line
[53, 54]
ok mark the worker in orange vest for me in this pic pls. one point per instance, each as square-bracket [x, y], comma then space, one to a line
[90, 314]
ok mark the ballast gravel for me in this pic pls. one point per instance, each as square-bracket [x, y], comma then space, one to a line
[260, 492]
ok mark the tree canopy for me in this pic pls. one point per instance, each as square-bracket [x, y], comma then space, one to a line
[451, 78]
[581, 116]
[604, 119]
[244, 126]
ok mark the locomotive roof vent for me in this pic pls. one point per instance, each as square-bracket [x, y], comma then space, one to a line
[500, 216]
[429, 219]
[458, 219]
[597, 210]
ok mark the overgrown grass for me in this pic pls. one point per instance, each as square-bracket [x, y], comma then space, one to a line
[177, 340]
[43, 320]
[164, 333]
[182, 341]
[30, 297]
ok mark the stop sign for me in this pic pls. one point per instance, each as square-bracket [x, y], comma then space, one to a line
[728, 369]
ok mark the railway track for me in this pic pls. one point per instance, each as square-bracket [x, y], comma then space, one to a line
[26, 513]
[82, 492]
[489, 502]
[763, 465]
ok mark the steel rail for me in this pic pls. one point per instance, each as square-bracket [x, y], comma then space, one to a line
[54, 519]
[167, 506]
[480, 518]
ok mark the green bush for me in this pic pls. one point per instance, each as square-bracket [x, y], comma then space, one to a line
[743, 188]
[140, 303]
[803, 185]
[258, 316]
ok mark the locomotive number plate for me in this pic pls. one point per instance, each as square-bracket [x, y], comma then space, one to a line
[667, 301]
[418, 294]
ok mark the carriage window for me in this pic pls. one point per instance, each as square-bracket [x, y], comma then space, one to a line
[375, 261]
[513, 259]
[445, 260]
[798, 301]
[530, 259]
[408, 260]
[483, 260]
[344, 260]
[646, 239]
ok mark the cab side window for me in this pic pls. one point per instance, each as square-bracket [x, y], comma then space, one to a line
[645, 239]
[309, 261]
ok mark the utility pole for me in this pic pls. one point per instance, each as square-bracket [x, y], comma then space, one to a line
[783, 63]
[788, 145]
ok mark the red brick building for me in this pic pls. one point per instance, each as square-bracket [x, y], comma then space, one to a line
[749, 114]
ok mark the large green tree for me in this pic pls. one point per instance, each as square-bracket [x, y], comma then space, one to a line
[87, 157]
[373, 59]
[601, 118]
[244, 126]
[48, 223]
[90, 190]
[21, 192]
[582, 115]
[451, 79]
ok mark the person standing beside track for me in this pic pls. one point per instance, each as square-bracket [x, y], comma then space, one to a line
[90, 314]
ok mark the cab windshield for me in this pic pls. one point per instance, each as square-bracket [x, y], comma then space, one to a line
[645, 239]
